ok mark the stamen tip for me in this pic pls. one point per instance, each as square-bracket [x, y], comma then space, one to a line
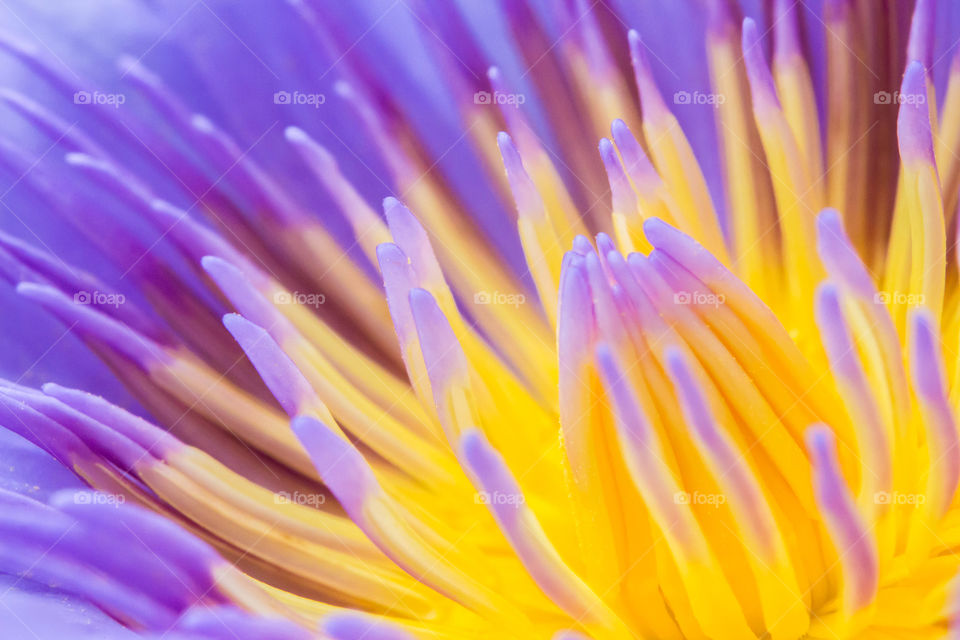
[651, 100]
[762, 87]
[390, 203]
[913, 122]
[922, 30]
[295, 134]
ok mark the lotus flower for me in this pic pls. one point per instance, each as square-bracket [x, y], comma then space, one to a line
[702, 385]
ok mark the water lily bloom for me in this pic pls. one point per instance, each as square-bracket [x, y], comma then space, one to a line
[397, 354]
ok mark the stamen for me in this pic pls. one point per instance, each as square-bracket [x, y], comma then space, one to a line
[851, 538]
[674, 158]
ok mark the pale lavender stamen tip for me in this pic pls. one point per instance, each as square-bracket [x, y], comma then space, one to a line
[655, 227]
[442, 353]
[605, 244]
[344, 89]
[575, 328]
[913, 122]
[398, 279]
[925, 353]
[609, 368]
[610, 160]
[635, 161]
[582, 246]
[81, 159]
[838, 255]
[619, 129]
[524, 191]
[622, 193]
[247, 299]
[508, 150]
[651, 100]
[202, 123]
[836, 501]
[295, 134]
[833, 331]
[606, 147]
[491, 473]
[762, 87]
[694, 402]
[338, 463]
[279, 373]
[631, 421]
[139, 75]
[922, 30]
[407, 231]
[313, 152]
[390, 203]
